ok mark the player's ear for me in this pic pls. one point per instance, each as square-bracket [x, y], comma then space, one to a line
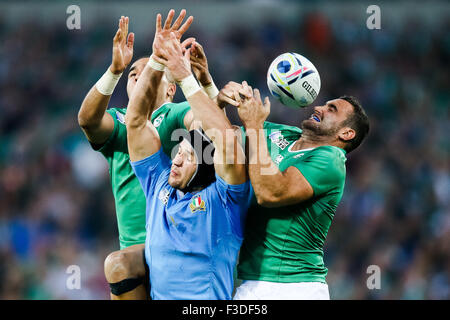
[346, 134]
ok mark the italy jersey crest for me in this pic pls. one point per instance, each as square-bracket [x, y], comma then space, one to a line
[197, 204]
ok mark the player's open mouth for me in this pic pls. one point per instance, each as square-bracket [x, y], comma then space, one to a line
[315, 117]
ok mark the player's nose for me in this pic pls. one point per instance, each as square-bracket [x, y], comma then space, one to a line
[178, 161]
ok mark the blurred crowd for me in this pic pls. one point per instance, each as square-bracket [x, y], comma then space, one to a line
[56, 205]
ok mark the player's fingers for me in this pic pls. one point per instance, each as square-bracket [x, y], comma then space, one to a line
[116, 36]
[185, 26]
[199, 50]
[257, 95]
[130, 40]
[122, 24]
[246, 89]
[158, 22]
[236, 96]
[229, 100]
[193, 53]
[188, 42]
[125, 25]
[169, 19]
[179, 20]
[195, 64]
[267, 104]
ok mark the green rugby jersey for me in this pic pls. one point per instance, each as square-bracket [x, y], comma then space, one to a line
[128, 195]
[285, 244]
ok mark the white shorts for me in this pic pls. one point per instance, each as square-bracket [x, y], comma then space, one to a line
[265, 290]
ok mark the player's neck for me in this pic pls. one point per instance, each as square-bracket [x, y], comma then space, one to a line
[307, 141]
[158, 105]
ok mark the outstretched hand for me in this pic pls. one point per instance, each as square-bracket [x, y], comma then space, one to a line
[122, 47]
[251, 109]
[199, 64]
[162, 33]
[174, 56]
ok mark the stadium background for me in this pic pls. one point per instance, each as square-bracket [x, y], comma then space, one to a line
[56, 205]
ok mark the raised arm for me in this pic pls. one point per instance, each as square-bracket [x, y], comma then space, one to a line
[199, 64]
[93, 119]
[273, 188]
[143, 139]
[229, 156]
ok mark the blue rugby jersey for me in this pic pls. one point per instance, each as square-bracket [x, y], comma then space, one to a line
[192, 242]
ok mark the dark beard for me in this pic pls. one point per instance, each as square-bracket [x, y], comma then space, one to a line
[315, 129]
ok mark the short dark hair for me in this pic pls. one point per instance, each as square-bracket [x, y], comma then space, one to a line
[358, 121]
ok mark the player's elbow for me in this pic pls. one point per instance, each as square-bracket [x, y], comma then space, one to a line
[267, 200]
[84, 121]
[276, 198]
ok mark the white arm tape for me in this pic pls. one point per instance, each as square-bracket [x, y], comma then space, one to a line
[106, 84]
[189, 86]
[211, 90]
[155, 65]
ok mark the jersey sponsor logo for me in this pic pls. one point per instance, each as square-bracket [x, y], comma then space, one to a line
[278, 139]
[197, 204]
[299, 155]
[157, 121]
[278, 159]
[164, 196]
[120, 117]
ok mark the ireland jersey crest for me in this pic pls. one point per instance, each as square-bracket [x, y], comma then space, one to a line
[158, 120]
[197, 204]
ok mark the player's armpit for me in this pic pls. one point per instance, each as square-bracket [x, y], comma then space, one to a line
[143, 139]
[287, 188]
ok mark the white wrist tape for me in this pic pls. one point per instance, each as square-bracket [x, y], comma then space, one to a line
[155, 65]
[106, 84]
[189, 86]
[211, 90]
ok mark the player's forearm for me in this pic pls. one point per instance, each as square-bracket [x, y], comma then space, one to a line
[143, 139]
[215, 123]
[92, 109]
[267, 180]
[142, 101]
[96, 101]
[207, 112]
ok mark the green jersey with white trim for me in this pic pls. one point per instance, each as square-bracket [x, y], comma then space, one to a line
[128, 195]
[285, 244]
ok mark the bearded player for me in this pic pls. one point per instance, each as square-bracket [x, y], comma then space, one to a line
[106, 132]
[298, 178]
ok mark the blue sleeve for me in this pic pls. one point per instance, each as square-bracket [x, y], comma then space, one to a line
[236, 199]
[150, 169]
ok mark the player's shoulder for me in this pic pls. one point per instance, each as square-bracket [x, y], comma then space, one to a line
[330, 157]
[170, 109]
[122, 110]
[175, 106]
[118, 113]
[330, 152]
